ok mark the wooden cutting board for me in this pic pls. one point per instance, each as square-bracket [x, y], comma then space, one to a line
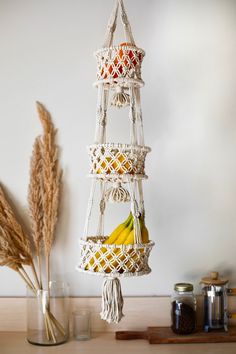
[164, 335]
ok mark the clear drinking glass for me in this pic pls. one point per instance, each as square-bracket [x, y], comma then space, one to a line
[81, 324]
[48, 314]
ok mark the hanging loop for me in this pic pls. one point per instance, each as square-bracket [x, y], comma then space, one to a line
[125, 21]
[111, 27]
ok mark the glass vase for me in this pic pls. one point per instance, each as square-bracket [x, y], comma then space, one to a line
[48, 315]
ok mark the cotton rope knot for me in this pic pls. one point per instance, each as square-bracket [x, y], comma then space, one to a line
[112, 301]
[120, 98]
[117, 194]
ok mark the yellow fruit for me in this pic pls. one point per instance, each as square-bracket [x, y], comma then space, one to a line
[104, 166]
[114, 235]
[124, 234]
[120, 241]
[130, 239]
[119, 231]
[117, 166]
[145, 234]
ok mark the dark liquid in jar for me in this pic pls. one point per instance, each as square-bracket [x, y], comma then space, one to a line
[183, 318]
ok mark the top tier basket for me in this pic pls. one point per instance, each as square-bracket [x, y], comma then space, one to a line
[119, 64]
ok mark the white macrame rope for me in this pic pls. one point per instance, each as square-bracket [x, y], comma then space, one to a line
[115, 273]
[141, 200]
[114, 260]
[120, 159]
[132, 117]
[89, 209]
[139, 118]
[119, 66]
[102, 206]
[125, 21]
[111, 27]
[136, 213]
[112, 301]
[99, 113]
[117, 194]
[120, 97]
[101, 120]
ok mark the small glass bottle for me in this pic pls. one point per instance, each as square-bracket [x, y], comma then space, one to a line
[183, 309]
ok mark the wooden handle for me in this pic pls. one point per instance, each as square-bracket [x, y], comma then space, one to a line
[129, 335]
[231, 291]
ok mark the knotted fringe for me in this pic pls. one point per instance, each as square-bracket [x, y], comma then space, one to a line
[117, 194]
[120, 98]
[112, 301]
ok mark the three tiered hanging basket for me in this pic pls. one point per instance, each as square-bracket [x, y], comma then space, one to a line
[117, 168]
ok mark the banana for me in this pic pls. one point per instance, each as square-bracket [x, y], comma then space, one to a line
[125, 239]
[145, 234]
[119, 241]
[124, 234]
[130, 241]
[115, 234]
[119, 233]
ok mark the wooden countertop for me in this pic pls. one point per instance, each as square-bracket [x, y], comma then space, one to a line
[105, 343]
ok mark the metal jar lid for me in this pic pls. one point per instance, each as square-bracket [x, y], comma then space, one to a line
[214, 279]
[183, 287]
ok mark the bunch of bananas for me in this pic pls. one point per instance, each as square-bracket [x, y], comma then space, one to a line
[122, 235]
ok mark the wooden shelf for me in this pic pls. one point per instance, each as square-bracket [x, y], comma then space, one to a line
[105, 343]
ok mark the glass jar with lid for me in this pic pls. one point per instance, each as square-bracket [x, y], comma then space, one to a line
[183, 309]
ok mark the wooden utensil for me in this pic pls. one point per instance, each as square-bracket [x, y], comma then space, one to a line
[164, 335]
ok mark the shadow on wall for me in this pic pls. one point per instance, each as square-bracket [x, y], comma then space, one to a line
[62, 242]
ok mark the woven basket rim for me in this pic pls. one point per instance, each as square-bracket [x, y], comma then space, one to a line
[82, 242]
[118, 47]
[124, 177]
[115, 274]
[122, 81]
[121, 146]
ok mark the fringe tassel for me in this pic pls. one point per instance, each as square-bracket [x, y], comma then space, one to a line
[117, 194]
[120, 98]
[112, 301]
[137, 231]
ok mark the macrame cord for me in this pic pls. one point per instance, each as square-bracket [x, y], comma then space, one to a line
[117, 169]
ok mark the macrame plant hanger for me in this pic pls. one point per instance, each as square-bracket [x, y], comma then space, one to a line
[116, 168]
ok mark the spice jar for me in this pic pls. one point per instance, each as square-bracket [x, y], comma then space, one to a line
[183, 309]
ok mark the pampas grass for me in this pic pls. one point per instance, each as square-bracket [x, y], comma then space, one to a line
[35, 203]
[50, 186]
[17, 248]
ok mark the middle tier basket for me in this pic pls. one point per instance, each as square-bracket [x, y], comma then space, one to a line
[116, 260]
[117, 171]
[122, 159]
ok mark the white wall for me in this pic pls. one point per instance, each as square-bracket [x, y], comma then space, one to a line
[189, 106]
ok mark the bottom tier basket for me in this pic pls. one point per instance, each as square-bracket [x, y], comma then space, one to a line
[114, 260]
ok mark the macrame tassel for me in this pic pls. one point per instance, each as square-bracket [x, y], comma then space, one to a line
[117, 194]
[120, 98]
[112, 301]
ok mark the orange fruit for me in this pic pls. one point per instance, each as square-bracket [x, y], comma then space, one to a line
[119, 62]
